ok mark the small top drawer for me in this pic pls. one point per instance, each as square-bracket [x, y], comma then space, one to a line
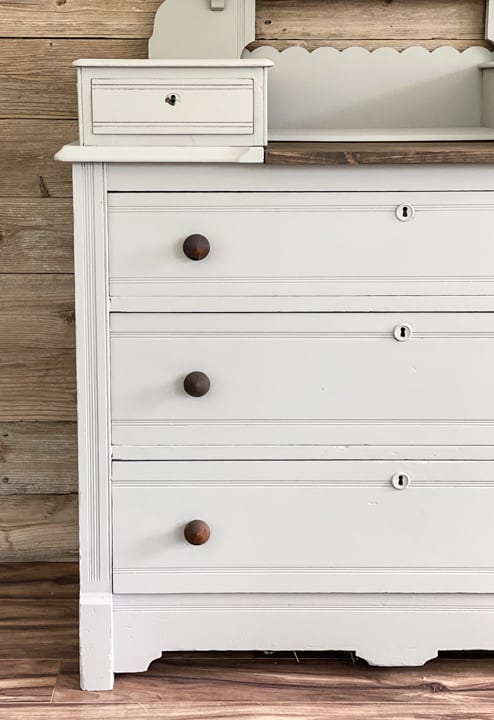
[177, 103]
[173, 108]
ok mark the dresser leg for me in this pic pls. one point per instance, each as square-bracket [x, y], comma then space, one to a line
[96, 641]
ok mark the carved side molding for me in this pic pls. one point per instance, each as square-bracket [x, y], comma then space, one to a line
[220, 28]
[202, 29]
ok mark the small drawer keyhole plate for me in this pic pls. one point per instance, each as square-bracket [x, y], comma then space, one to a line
[403, 332]
[400, 481]
[405, 212]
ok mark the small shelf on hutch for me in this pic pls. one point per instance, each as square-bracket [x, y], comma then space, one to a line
[381, 96]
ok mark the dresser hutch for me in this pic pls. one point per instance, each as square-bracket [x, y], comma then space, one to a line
[285, 346]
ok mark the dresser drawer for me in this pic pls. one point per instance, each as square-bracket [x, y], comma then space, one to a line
[308, 379]
[288, 245]
[175, 104]
[303, 527]
[173, 108]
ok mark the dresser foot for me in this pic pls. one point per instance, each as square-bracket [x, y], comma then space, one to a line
[96, 642]
[382, 656]
[384, 629]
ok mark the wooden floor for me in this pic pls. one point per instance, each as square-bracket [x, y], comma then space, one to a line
[39, 679]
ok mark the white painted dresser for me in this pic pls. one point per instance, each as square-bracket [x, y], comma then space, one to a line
[285, 385]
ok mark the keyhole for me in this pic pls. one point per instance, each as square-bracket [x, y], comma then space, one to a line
[402, 333]
[400, 481]
[405, 213]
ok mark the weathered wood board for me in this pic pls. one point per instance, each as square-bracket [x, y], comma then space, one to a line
[27, 167]
[28, 69]
[411, 153]
[276, 19]
[359, 20]
[36, 236]
[38, 458]
[37, 384]
[35, 526]
[37, 311]
[38, 581]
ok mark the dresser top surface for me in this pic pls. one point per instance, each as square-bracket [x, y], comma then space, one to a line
[193, 63]
[379, 153]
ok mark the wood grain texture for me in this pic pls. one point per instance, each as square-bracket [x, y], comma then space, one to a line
[251, 678]
[27, 167]
[44, 628]
[36, 236]
[37, 385]
[38, 617]
[37, 311]
[360, 19]
[28, 681]
[74, 19]
[38, 458]
[43, 525]
[276, 19]
[186, 709]
[39, 580]
[410, 153]
[27, 69]
[39, 527]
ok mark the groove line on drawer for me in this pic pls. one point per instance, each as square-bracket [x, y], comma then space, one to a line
[298, 608]
[302, 334]
[378, 209]
[436, 484]
[306, 570]
[295, 421]
[299, 279]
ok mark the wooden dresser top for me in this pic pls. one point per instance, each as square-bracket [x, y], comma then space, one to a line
[379, 153]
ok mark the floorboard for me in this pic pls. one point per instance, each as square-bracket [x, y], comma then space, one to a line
[39, 673]
[28, 681]
[188, 709]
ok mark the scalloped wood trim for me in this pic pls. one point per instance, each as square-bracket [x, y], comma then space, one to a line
[354, 93]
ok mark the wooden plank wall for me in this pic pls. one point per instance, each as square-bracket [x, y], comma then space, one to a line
[38, 41]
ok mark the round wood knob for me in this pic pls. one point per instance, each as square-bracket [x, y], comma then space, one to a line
[196, 247]
[197, 384]
[197, 532]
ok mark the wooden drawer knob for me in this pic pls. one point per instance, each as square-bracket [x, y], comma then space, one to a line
[196, 247]
[197, 384]
[197, 532]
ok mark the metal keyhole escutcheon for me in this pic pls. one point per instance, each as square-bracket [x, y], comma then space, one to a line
[400, 481]
[405, 212]
[403, 332]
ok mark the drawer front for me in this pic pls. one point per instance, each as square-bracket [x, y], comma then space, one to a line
[314, 379]
[273, 245]
[303, 527]
[174, 107]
